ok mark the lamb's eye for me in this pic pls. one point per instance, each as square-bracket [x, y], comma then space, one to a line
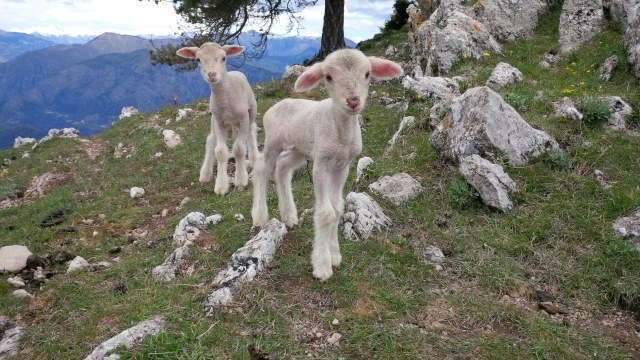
[366, 76]
[198, 59]
[223, 59]
[329, 78]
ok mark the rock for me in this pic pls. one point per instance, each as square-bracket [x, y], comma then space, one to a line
[173, 263]
[619, 112]
[136, 192]
[335, 322]
[34, 261]
[386, 101]
[565, 107]
[13, 258]
[550, 308]
[22, 293]
[363, 165]
[405, 123]
[19, 141]
[607, 67]
[38, 277]
[391, 50]
[628, 227]
[580, 21]
[544, 296]
[193, 221]
[539, 95]
[10, 342]
[599, 175]
[183, 113]
[129, 338]
[171, 138]
[184, 202]
[115, 250]
[102, 265]
[119, 288]
[334, 339]
[245, 264]
[434, 254]
[492, 183]
[16, 282]
[416, 72]
[363, 216]
[509, 20]
[398, 188]
[5, 324]
[480, 121]
[544, 64]
[436, 88]
[214, 219]
[238, 217]
[631, 37]
[504, 74]
[77, 263]
[127, 111]
[66, 133]
[293, 71]
[59, 257]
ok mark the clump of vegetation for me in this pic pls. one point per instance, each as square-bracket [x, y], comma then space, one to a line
[8, 191]
[461, 194]
[399, 17]
[557, 160]
[594, 109]
[517, 101]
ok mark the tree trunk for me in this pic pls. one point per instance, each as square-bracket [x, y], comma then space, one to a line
[332, 30]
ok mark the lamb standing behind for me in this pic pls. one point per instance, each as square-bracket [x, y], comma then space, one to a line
[232, 103]
[326, 132]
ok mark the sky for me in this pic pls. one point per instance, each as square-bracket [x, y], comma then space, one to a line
[363, 18]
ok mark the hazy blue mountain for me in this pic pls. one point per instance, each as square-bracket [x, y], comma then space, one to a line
[86, 85]
[13, 44]
[65, 39]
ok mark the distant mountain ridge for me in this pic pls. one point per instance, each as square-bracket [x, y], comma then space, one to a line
[86, 85]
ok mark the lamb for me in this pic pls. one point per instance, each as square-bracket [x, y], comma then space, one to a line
[326, 132]
[232, 103]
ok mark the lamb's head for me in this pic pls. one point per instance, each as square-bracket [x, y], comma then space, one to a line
[346, 74]
[211, 58]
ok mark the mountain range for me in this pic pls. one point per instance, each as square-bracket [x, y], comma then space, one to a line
[45, 85]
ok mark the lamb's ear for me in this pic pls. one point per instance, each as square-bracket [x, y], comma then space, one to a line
[233, 50]
[382, 69]
[310, 78]
[188, 52]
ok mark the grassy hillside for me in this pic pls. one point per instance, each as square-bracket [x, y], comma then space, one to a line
[389, 302]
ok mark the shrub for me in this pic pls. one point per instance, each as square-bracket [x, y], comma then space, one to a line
[557, 160]
[517, 101]
[594, 110]
[399, 17]
[8, 191]
[461, 194]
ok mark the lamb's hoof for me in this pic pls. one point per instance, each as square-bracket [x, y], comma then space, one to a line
[205, 178]
[323, 273]
[221, 190]
[290, 221]
[336, 260]
[260, 220]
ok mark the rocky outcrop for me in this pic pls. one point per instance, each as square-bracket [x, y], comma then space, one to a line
[607, 67]
[628, 13]
[398, 188]
[580, 21]
[628, 227]
[20, 141]
[128, 338]
[363, 217]
[245, 264]
[480, 121]
[492, 183]
[619, 112]
[504, 74]
[509, 20]
[436, 88]
[565, 107]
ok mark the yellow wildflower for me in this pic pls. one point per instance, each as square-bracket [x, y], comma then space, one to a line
[582, 82]
[486, 54]
[464, 56]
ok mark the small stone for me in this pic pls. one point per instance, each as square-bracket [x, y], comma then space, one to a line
[119, 288]
[16, 282]
[214, 219]
[334, 339]
[22, 293]
[335, 322]
[184, 202]
[115, 250]
[434, 254]
[171, 138]
[238, 217]
[439, 268]
[550, 308]
[77, 263]
[136, 192]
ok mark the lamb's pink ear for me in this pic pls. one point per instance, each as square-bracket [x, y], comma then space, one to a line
[382, 69]
[310, 78]
[188, 52]
[233, 50]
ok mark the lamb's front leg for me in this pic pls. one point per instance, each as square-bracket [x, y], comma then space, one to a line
[206, 170]
[287, 162]
[324, 220]
[240, 152]
[338, 178]
[222, 156]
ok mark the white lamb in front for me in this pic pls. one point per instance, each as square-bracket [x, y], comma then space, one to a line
[326, 132]
[232, 103]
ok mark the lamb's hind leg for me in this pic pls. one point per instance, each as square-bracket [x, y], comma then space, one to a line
[262, 170]
[287, 162]
[222, 156]
[206, 170]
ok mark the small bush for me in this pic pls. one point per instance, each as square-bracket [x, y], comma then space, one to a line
[461, 194]
[517, 101]
[594, 110]
[399, 17]
[557, 160]
[8, 191]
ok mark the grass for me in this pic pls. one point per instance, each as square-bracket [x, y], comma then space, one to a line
[388, 300]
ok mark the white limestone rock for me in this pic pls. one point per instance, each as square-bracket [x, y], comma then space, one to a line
[19, 141]
[607, 67]
[480, 121]
[363, 165]
[245, 264]
[13, 258]
[628, 227]
[171, 138]
[77, 263]
[190, 223]
[619, 112]
[436, 88]
[293, 71]
[363, 217]
[127, 111]
[398, 188]
[22, 294]
[565, 107]
[129, 338]
[183, 113]
[580, 21]
[504, 74]
[173, 263]
[406, 123]
[10, 341]
[214, 219]
[509, 20]
[492, 183]
[136, 192]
